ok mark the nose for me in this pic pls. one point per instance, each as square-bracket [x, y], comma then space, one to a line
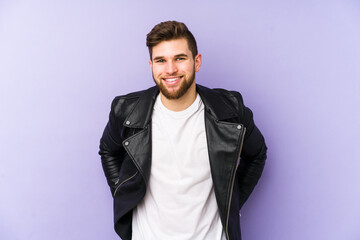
[171, 67]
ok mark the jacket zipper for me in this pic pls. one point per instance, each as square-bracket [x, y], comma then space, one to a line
[232, 185]
[124, 182]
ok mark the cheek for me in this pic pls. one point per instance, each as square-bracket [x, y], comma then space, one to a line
[187, 67]
[156, 71]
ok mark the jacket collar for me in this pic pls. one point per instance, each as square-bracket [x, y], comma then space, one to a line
[215, 104]
[140, 115]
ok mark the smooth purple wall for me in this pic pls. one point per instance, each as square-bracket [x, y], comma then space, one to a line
[297, 64]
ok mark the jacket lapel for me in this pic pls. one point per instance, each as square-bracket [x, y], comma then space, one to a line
[224, 143]
[224, 140]
[140, 115]
[138, 146]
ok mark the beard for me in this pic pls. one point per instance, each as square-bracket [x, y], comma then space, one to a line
[183, 88]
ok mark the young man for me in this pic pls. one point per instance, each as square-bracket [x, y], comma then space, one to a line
[180, 159]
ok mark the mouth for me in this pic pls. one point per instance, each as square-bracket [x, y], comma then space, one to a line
[172, 80]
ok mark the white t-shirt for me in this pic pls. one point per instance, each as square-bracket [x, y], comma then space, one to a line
[180, 202]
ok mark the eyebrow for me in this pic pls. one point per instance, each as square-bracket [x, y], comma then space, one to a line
[158, 58]
[181, 55]
[176, 56]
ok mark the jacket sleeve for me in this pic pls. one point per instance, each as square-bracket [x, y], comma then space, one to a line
[252, 158]
[111, 149]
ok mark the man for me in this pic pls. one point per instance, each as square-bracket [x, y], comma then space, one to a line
[171, 154]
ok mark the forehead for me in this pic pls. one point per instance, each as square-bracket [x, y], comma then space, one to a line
[171, 48]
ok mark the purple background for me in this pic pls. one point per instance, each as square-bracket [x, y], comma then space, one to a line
[297, 64]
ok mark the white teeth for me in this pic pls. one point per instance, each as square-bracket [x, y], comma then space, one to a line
[171, 79]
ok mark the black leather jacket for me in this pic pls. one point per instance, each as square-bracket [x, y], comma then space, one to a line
[125, 150]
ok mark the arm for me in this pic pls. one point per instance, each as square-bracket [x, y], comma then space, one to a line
[253, 157]
[111, 149]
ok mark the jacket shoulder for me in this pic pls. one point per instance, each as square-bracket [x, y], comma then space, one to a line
[121, 105]
[231, 98]
[134, 103]
[234, 96]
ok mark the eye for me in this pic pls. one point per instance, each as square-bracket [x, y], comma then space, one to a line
[180, 59]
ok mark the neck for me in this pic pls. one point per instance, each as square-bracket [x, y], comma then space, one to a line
[182, 103]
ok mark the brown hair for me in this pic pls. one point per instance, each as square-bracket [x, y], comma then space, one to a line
[170, 30]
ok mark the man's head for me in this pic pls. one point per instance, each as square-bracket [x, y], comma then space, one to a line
[170, 30]
[173, 63]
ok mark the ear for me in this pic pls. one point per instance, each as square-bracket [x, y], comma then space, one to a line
[150, 63]
[198, 61]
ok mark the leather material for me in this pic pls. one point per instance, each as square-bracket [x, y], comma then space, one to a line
[125, 150]
[223, 157]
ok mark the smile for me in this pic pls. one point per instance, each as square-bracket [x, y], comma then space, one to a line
[171, 81]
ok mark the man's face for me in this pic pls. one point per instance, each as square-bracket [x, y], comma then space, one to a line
[173, 67]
